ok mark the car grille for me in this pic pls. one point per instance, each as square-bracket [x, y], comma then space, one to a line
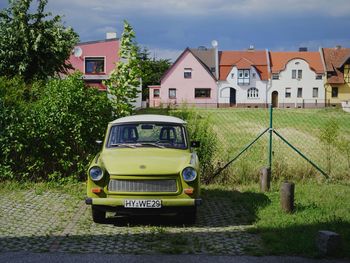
[142, 185]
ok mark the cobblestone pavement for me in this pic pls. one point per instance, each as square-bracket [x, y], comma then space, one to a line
[57, 222]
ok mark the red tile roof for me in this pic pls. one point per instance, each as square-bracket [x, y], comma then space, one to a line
[243, 60]
[279, 60]
[334, 60]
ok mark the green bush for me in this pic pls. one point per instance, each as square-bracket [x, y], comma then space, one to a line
[49, 131]
[200, 129]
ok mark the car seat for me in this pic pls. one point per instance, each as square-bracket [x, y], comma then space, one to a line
[129, 134]
[167, 134]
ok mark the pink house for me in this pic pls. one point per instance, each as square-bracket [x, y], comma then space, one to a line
[191, 80]
[96, 59]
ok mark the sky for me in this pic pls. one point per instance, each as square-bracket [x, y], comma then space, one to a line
[167, 27]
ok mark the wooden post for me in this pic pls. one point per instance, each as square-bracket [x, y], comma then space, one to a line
[287, 197]
[265, 178]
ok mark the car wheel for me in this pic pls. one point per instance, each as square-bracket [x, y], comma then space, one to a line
[189, 215]
[98, 216]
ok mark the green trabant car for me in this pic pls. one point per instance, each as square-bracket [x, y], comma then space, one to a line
[146, 166]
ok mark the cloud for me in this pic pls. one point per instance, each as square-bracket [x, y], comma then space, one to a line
[163, 53]
[213, 8]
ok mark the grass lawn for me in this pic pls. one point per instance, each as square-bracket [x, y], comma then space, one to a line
[318, 207]
[235, 128]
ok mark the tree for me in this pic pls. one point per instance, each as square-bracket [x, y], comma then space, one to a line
[125, 78]
[152, 69]
[33, 45]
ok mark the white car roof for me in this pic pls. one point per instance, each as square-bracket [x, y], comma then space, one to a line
[149, 118]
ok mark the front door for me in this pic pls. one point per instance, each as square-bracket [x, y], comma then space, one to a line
[232, 97]
[274, 99]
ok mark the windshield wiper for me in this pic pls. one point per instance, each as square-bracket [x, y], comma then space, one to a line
[151, 144]
[123, 145]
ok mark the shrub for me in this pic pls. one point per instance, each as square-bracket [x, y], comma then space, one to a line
[200, 129]
[55, 133]
[329, 133]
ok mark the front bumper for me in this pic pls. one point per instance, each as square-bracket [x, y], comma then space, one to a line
[115, 202]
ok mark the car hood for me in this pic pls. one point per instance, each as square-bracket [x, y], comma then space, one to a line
[145, 161]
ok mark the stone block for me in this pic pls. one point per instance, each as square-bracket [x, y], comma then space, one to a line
[328, 243]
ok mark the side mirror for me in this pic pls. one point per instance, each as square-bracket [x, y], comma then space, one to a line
[98, 142]
[195, 144]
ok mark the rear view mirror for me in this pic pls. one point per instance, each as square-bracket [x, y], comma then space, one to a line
[147, 127]
[195, 144]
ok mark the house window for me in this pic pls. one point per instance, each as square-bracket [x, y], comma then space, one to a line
[202, 93]
[187, 73]
[94, 65]
[300, 93]
[315, 92]
[232, 75]
[319, 76]
[156, 93]
[288, 92]
[243, 77]
[253, 75]
[253, 93]
[294, 74]
[172, 93]
[300, 74]
[334, 92]
[275, 76]
[347, 73]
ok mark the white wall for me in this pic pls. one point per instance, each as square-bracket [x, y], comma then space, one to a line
[308, 82]
[138, 100]
[241, 90]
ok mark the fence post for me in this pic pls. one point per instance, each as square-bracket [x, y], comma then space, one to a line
[270, 138]
[265, 179]
[287, 197]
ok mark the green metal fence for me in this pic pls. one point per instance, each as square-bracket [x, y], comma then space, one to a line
[305, 143]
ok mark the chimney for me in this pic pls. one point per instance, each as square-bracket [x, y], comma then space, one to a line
[251, 48]
[215, 44]
[111, 35]
[303, 49]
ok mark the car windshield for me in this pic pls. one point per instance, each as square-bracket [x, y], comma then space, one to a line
[160, 135]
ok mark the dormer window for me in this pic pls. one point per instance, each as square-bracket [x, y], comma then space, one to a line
[319, 76]
[243, 77]
[188, 73]
[94, 65]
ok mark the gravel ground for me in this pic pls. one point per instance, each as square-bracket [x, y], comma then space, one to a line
[25, 257]
[51, 221]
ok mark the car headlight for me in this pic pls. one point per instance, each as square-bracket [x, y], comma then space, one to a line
[189, 174]
[96, 173]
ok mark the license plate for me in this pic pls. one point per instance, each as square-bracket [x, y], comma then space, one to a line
[142, 203]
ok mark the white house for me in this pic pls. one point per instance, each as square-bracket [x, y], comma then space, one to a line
[296, 80]
[243, 78]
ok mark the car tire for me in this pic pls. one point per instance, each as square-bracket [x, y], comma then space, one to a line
[189, 215]
[98, 216]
